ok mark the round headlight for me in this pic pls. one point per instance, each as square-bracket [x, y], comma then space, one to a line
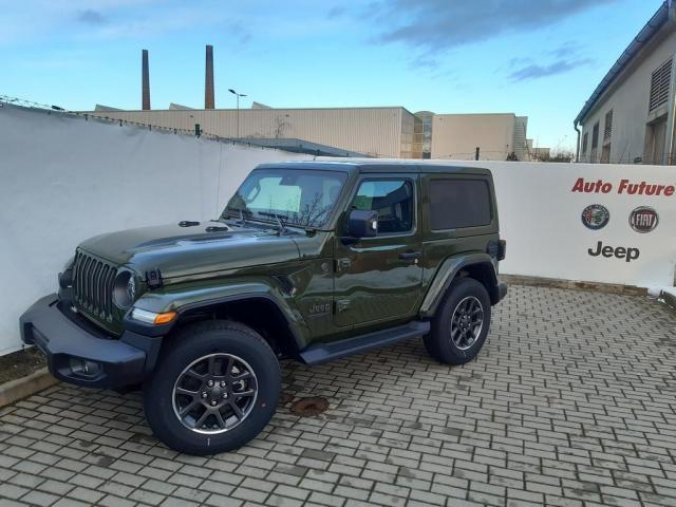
[68, 265]
[124, 290]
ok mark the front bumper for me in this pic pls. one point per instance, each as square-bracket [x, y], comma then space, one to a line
[119, 362]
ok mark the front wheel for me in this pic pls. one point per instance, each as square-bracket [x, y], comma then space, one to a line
[460, 325]
[215, 387]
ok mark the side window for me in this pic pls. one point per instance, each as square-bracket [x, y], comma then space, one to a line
[459, 203]
[392, 199]
[585, 140]
[595, 136]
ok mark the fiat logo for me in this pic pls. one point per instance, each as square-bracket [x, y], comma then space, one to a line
[643, 219]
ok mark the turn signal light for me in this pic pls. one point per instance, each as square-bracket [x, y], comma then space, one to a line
[156, 319]
[164, 318]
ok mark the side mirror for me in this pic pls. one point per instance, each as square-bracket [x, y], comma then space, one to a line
[362, 224]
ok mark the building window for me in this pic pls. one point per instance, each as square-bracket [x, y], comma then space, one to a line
[595, 136]
[459, 203]
[585, 142]
[660, 84]
[608, 127]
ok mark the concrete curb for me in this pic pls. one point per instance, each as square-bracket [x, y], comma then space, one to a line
[669, 299]
[16, 390]
[607, 288]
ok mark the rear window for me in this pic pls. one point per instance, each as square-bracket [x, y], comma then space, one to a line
[459, 203]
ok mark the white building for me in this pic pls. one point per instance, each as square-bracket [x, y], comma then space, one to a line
[629, 117]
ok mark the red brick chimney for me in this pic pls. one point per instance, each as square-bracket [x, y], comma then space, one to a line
[209, 98]
[145, 87]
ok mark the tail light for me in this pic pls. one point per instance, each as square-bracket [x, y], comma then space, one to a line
[502, 249]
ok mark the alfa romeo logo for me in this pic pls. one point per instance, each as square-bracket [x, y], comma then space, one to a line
[643, 219]
[595, 217]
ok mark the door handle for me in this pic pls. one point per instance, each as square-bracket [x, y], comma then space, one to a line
[410, 256]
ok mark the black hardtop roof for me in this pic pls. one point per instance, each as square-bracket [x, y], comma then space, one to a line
[377, 166]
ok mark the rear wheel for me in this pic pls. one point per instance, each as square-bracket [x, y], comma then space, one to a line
[460, 325]
[215, 387]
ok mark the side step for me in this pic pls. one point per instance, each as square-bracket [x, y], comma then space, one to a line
[323, 352]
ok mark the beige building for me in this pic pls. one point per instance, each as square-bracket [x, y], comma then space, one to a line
[392, 132]
[495, 136]
[373, 131]
[629, 117]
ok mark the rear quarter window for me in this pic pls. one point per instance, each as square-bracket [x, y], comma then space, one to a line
[459, 203]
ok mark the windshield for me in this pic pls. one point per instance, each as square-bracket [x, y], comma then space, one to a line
[295, 197]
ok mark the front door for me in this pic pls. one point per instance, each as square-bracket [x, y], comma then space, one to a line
[379, 279]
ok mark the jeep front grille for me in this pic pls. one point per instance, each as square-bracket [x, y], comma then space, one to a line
[93, 281]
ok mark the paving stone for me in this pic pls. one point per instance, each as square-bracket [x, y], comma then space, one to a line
[69, 502]
[116, 501]
[40, 498]
[223, 501]
[570, 402]
[12, 491]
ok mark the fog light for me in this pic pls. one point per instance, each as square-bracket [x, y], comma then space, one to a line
[84, 368]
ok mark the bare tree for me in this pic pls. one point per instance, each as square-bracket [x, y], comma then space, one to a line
[280, 126]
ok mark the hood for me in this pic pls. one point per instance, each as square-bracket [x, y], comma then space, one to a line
[184, 251]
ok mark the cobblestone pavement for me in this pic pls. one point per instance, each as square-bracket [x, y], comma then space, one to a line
[571, 402]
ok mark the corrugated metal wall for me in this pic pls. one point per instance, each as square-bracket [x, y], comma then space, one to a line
[382, 132]
[456, 136]
[520, 134]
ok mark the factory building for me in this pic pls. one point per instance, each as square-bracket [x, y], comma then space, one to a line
[371, 131]
[495, 136]
[392, 132]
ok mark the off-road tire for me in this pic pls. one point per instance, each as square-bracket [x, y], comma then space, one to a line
[204, 340]
[439, 344]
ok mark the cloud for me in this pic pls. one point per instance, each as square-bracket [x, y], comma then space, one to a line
[567, 49]
[424, 62]
[91, 17]
[239, 32]
[336, 11]
[537, 71]
[439, 25]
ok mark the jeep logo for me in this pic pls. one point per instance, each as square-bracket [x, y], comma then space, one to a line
[628, 254]
[320, 308]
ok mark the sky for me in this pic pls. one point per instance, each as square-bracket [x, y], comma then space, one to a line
[536, 58]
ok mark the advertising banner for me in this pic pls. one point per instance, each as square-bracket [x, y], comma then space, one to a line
[588, 222]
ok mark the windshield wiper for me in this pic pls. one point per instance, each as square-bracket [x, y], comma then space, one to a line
[282, 226]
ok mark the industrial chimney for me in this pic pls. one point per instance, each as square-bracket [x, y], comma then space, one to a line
[209, 80]
[145, 87]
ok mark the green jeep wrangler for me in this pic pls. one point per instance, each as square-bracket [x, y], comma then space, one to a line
[312, 261]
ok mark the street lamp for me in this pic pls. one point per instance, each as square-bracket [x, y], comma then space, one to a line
[238, 95]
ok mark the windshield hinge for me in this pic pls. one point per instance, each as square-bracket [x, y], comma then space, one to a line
[154, 278]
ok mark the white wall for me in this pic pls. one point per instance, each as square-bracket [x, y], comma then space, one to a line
[540, 217]
[63, 179]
